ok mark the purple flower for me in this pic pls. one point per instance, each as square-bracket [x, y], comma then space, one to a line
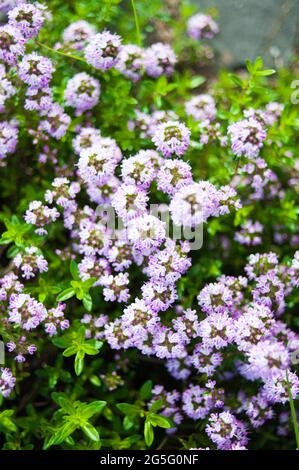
[198, 402]
[101, 192]
[173, 175]
[27, 18]
[8, 138]
[179, 368]
[172, 137]
[22, 348]
[260, 263]
[201, 108]
[202, 26]
[110, 146]
[168, 264]
[86, 138]
[272, 113]
[38, 99]
[96, 165]
[247, 137]
[159, 59]
[94, 326]
[270, 291]
[258, 410]
[139, 169]
[130, 64]
[11, 44]
[250, 233]
[267, 359]
[205, 360]
[252, 326]
[31, 262]
[158, 296]
[160, 117]
[62, 192]
[167, 344]
[129, 202]
[194, 203]
[94, 238]
[40, 215]
[187, 325]
[102, 51]
[36, 70]
[210, 132]
[216, 331]
[55, 320]
[77, 34]
[276, 388]
[226, 431]
[25, 311]
[55, 122]
[82, 92]
[115, 287]
[147, 233]
[93, 266]
[7, 382]
[215, 298]
[170, 406]
[120, 254]
[6, 88]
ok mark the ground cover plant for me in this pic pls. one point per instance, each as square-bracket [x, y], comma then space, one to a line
[117, 333]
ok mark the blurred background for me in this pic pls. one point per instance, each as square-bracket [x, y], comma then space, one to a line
[249, 28]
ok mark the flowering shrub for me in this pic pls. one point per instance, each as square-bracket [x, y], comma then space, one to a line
[117, 333]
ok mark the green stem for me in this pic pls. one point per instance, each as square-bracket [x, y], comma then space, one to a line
[56, 51]
[293, 412]
[139, 41]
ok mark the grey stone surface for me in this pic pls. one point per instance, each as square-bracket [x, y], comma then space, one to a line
[249, 28]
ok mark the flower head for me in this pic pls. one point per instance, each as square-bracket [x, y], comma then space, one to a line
[102, 51]
[202, 26]
[172, 137]
[82, 92]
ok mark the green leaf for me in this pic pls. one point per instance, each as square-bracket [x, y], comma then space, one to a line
[127, 423]
[236, 79]
[70, 351]
[66, 405]
[62, 342]
[146, 390]
[62, 433]
[128, 409]
[258, 63]
[92, 408]
[66, 294]
[157, 405]
[74, 270]
[87, 302]
[196, 81]
[265, 73]
[79, 363]
[90, 349]
[249, 65]
[91, 432]
[95, 380]
[148, 433]
[161, 421]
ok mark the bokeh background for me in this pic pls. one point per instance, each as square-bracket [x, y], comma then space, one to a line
[249, 28]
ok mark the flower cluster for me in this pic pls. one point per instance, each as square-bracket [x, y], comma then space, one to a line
[202, 26]
[129, 165]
